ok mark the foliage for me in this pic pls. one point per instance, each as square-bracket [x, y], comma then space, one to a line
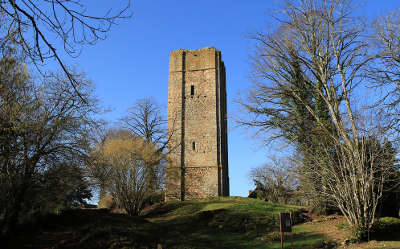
[155, 197]
[390, 201]
[275, 181]
[146, 120]
[125, 160]
[62, 185]
[43, 124]
[107, 201]
[320, 45]
[288, 98]
[58, 188]
[385, 227]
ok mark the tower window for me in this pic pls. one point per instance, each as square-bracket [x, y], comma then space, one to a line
[193, 145]
[192, 90]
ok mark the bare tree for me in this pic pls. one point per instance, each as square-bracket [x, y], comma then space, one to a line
[277, 179]
[332, 53]
[40, 25]
[95, 167]
[385, 72]
[126, 159]
[356, 183]
[146, 120]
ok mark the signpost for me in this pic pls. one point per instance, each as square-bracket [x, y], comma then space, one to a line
[285, 224]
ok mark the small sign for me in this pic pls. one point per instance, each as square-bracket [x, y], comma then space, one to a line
[286, 222]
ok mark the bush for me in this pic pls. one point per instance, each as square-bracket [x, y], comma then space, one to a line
[385, 227]
[300, 216]
[107, 201]
[156, 197]
[59, 209]
[273, 236]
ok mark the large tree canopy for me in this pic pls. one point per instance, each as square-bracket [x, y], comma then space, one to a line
[42, 124]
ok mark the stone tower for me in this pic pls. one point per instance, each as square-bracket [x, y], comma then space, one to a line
[198, 153]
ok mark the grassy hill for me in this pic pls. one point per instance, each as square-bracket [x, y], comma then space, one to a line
[233, 223]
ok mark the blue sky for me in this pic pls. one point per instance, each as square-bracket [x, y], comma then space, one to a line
[133, 62]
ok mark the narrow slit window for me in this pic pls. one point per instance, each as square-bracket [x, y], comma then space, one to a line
[193, 145]
[192, 90]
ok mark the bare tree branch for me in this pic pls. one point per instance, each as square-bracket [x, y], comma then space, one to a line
[41, 25]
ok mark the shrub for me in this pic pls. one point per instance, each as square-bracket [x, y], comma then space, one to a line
[59, 209]
[273, 236]
[300, 216]
[385, 227]
[155, 197]
[107, 201]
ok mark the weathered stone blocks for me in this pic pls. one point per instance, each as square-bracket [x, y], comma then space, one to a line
[198, 156]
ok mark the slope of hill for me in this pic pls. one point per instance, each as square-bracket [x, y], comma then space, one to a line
[233, 223]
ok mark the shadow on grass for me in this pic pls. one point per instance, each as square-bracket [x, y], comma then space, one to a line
[390, 237]
[304, 240]
[225, 240]
[86, 229]
[234, 223]
[234, 230]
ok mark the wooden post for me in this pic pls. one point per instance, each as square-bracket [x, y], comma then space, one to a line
[291, 234]
[281, 228]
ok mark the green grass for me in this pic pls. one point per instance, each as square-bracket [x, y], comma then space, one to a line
[219, 223]
[303, 237]
[234, 223]
[343, 226]
[227, 223]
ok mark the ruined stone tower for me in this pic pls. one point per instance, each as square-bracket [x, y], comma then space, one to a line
[198, 160]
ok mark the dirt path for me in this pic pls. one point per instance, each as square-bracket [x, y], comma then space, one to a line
[335, 227]
[329, 226]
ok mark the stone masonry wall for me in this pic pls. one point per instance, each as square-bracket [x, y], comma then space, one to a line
[197, 167]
